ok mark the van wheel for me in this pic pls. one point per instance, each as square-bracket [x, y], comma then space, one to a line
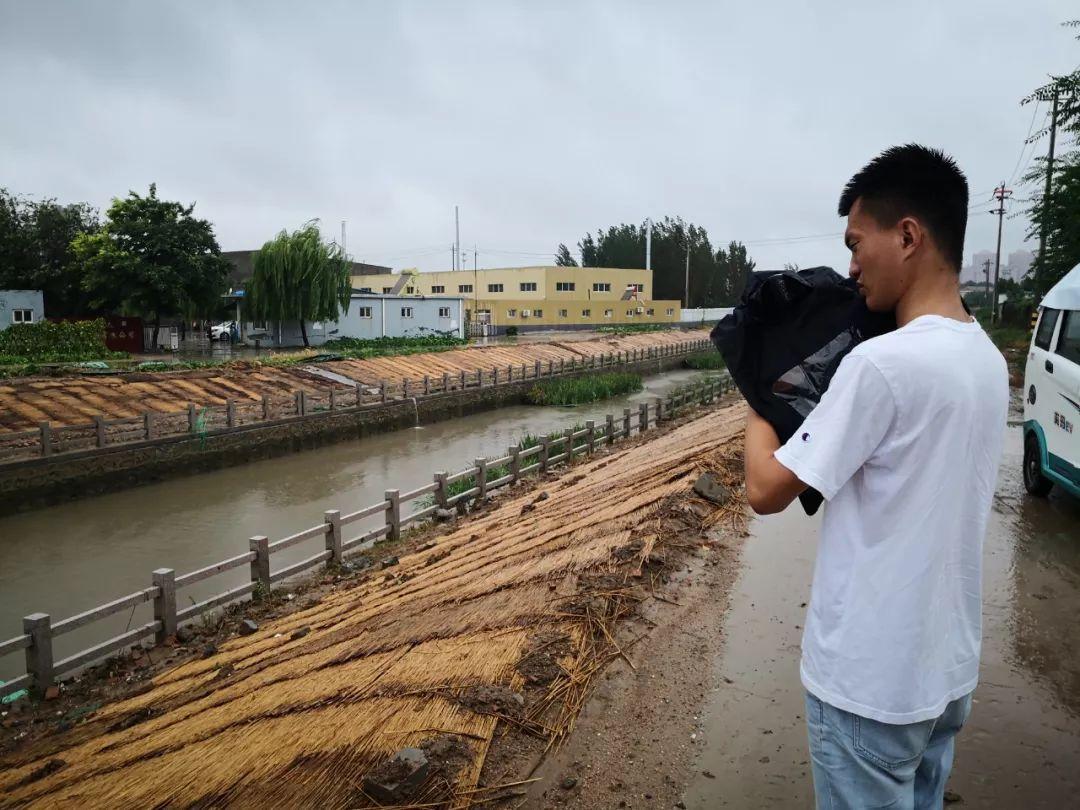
[1034, 481]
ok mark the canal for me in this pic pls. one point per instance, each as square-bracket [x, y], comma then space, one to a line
[70, 557]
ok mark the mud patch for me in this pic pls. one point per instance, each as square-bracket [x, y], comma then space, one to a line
[540, 665]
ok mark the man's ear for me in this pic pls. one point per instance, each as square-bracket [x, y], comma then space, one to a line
[911, 235]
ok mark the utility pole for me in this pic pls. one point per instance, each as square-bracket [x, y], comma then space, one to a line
[648, 244]
[453, 260]
[986, 270]
[686, 286]
[1000, 194]
[457, 238]
[1049, 173]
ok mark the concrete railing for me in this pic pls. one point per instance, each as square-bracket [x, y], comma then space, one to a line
[39, 630]
[47, 440]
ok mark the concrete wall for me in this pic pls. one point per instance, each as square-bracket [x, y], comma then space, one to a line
[11, 300]
[706, 315]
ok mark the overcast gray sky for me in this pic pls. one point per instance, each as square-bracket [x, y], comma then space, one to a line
[542, 120]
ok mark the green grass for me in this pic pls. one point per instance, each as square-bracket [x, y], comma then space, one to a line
[706, 361]
[633, 328]
[1009, 337]
[584, 389]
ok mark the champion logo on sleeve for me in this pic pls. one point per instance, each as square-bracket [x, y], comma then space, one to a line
[806, 437]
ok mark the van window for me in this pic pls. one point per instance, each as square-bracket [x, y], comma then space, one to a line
[1046, 328]
[1068, 345]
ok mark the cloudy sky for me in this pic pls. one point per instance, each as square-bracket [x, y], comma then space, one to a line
[541, 120]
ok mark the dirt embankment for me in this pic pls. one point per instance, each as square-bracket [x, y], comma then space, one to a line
[448, 672]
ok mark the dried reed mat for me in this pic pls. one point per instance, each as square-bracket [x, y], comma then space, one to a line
[271, 721]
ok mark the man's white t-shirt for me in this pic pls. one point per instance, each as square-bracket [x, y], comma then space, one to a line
[904, 446]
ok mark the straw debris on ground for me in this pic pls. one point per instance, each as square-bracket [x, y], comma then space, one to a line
[509, 625]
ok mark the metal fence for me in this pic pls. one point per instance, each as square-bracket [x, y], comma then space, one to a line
[39, 630]
[197, 421]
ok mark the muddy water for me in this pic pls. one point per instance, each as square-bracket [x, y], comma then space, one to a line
[70, 557]
[1021, 747]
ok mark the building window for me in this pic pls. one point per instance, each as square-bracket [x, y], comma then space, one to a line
[436, 289]
[607, 313]
[461, 288]
[629, 313]
[386, 290]
[649, 311]
[406, 312]
[586, 313]
[604, 286]
[364, 312]
[22, 316]
[495, 288]
[527, 286]
[444, 312]
[511, 313]
[538, 313]
[670, 311]
[410, 290]
[562, 313]
[564, 286]
[636, 287]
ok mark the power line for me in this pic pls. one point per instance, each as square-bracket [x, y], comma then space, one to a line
[1026, 143]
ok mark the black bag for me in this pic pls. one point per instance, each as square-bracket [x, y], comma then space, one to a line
[785, 340]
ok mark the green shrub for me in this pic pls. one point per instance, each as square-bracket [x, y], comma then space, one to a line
[706, 361]
[584, 389]
[49, 342]
[511, 331]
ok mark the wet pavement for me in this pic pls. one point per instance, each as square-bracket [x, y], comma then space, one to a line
[1021, 746]
[73, 556]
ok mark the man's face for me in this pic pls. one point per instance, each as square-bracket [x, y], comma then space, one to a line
[877, 259]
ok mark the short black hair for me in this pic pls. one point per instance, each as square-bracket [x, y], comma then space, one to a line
[914, 180]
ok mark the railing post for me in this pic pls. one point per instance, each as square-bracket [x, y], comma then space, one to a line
[545, 451]
[298, 398]
[260, 566]
[463, 379]
[332, 517]
[481, 478]
[537, 374]
[643, 417]
[479, 378]
[266, 404]
[192, 416]
[404, 387]
[427, 385]
[515, 462]
[626, 423]
[39, 655]
[382, 391]
[445, 382]
[164, 580]
[99, 428]
[333, 397]
[590, 426]
[46, 438]
[569, 441]
[441, 497]
[230, 413]
[148, 424]
[610, 429]
[551, 367]
[495, 376]
[393, 514]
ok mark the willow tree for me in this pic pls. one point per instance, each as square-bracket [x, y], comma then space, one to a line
[298, 277]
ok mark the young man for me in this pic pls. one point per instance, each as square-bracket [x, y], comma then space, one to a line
[904, 447]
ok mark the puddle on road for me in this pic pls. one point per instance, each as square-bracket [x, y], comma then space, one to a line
[1022, 744]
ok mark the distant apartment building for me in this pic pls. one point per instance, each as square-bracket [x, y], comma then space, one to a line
[537, 298]
[1020, 263]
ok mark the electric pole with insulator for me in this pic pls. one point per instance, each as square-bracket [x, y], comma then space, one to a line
[1000, 194]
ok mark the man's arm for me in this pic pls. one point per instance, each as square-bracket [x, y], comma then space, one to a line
[770, 486]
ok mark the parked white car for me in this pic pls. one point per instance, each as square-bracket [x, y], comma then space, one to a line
[1052, 393]
[222, 331]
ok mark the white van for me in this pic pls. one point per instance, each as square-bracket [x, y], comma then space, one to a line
[1052, 392]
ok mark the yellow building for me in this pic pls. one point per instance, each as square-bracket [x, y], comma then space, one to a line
[535, 298]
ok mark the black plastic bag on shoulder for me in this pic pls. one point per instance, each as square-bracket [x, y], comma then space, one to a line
[785, 340]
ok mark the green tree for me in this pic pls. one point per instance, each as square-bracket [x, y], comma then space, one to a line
[36, 253]
[153, 257]
[1057, 216]
[563, 257]
[716, 276]
[298, 277]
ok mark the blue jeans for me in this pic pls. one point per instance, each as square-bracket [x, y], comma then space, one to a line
[861, 764]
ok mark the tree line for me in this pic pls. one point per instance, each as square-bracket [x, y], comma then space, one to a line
[154, 258]
[716, 275]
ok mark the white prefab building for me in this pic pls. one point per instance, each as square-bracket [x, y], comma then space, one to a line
[21, 306]
[368, 316]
